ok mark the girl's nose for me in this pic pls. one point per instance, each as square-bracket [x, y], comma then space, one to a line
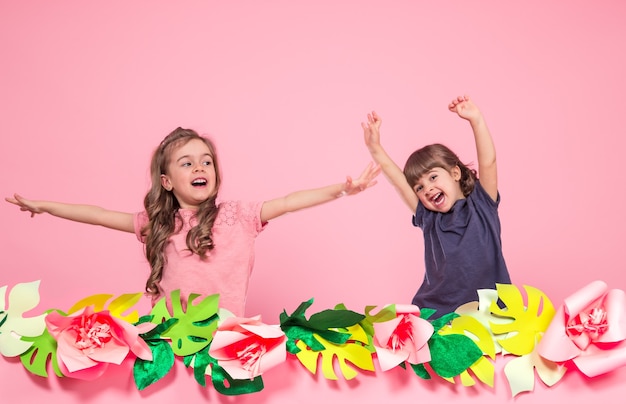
[198, 167]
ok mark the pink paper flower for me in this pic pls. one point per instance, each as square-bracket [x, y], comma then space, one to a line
[245, 347]
[88, 342]
[404, 338]
[589, 329]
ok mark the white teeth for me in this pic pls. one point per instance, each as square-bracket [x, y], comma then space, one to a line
[436, 197]
[199, 182]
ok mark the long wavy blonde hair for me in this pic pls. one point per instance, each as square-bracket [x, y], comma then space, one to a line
[162, 209]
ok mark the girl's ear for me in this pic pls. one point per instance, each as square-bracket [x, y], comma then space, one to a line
[165, 182]
[456, 173]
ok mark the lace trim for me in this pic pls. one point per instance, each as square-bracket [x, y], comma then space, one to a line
[229, 213]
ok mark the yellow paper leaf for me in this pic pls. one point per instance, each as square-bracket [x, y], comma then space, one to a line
[116, 307]
[97, 301]
[472, 328]
[484, 370]
[122, 303]
[354, 351]
[530, 319]
[482, 313]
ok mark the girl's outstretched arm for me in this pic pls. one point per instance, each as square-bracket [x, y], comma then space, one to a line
[312, 197]
[485, 149]
[371, 133]
[78, 213]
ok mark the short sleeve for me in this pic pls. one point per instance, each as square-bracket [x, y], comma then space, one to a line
[480, 193]
[140, 219]
[418, 216]
[251, 212]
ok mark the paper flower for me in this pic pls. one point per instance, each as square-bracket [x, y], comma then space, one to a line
[404, 338]
[246, 348]
[589, 329]
[88, 341]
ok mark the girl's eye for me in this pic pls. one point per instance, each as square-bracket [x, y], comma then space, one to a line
[418, 188]
[186, 164]
[433, 177]
[207, 163]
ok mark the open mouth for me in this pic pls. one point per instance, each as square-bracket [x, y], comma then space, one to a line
[199, 182]
[438, 199]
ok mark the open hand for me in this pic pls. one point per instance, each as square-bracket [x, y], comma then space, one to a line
[371, 130]
[465, 108]
[25, 204]
[365, 180]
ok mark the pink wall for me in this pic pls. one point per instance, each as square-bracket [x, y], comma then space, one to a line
[88, 91]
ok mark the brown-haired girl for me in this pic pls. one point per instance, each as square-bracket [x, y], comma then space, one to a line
[192, 243]
[457, 212]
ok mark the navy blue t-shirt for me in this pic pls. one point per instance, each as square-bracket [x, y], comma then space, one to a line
[463, 252]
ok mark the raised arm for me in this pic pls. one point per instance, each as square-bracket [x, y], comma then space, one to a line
[78, 213]
[312, 197]
[485, 149]
[371, 133]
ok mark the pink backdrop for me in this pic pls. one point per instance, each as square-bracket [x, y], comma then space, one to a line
[87, 92]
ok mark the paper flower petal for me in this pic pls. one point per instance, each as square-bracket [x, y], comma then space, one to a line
[88, 341]
[589, 329]
[404, 338]
[596, 361]
[246, 347]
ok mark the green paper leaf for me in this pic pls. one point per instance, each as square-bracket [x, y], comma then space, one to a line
[334, 319]
[299, 312]
[147, 373]
[301, 334]
[157, 331]
[297, 328]
[291, 346]
[452, 354]
[440, 322]
[426, 313]
[43, 349]
[194, 329]
[420, 370]
[201, 361]
[224, 384]
[188, 360]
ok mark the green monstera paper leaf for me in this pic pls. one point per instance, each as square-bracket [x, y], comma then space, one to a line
[43, 349]
[195, 327]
